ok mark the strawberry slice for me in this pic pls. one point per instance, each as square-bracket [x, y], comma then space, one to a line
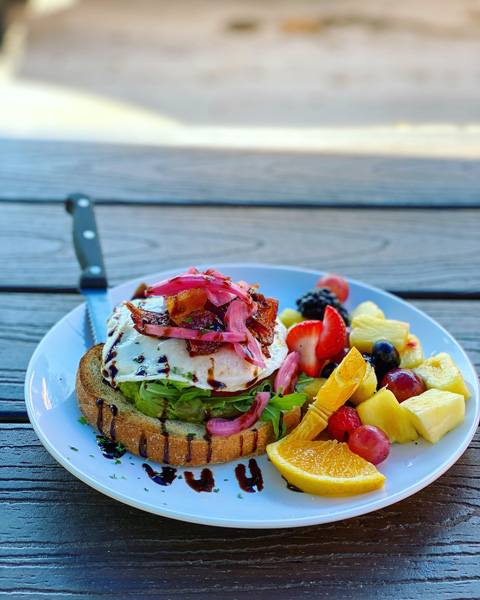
[304, 338]
[333, 334]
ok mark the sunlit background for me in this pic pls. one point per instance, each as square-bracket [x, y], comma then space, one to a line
[298, 74]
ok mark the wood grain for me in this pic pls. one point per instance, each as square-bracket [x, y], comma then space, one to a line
[50, 170]
[392, 249]
[55, 528]
[26, 318]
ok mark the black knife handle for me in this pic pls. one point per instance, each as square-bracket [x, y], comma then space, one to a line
[86, 241]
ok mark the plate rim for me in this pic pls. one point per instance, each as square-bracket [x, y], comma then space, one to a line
[343, 512]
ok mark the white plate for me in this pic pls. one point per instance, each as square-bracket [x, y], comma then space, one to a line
[53, 411]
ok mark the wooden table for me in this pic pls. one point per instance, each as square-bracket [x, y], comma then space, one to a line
[408, 225]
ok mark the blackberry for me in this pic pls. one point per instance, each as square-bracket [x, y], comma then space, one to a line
[312, 304]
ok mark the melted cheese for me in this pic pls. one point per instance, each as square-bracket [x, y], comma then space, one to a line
[131, 356]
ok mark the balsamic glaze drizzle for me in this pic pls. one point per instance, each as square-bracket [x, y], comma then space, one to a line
[166, 441]
[166, 477]
[291, 487]
[142, 446]
[114, 410]
[99, 403]
[206, 482]
[110, 449]
[208, 439]
[189, 447]
[248, 484]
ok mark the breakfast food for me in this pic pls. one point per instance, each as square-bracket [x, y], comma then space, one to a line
[196, 372]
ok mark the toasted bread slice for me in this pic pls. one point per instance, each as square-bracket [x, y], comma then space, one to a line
[159, 440]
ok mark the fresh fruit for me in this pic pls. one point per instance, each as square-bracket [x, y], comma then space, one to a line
[385, 358]
[412, 355]
[367, 386]
[441, 373]
[290, 317]
[384, 411]
[370, 443]
[403, 383]
[342, 423]
[367, 308]
[334, 393]
[311, 389]
[303, 338]
[341, 355]
[333, 335]
[366, 330]
[312, 305]
[336, 284]
[326, 468]
[328, 369]
[435, 412]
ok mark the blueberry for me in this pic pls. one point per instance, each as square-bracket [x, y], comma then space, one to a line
[328, 369]
[385, 358]
[369, 359]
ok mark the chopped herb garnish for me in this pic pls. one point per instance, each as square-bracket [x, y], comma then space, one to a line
[137, 342]
[225, 480]
[92, 456]
[191, 434]
[216, 490]
[123, 477]
[74, 449]
[145, 489]
[188, 320]
[189, 376]
[179, 477]
[139, 359]
[113, 476]
[240, 496]
[82, 420]
[118, 462]
[174, 370]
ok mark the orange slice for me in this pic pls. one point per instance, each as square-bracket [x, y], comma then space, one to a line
[324, 468]
[338, 388]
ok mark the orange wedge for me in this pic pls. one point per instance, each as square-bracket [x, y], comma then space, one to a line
[324, 468]
[338, 388]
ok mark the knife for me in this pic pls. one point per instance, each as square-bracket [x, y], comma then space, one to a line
[93, 281]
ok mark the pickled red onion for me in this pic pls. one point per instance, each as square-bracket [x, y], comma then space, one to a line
[194, 334]
[224, 427]
[236, 321]
[287, 374]
[187, 281]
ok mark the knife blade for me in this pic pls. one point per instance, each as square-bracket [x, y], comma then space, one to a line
[93, 280]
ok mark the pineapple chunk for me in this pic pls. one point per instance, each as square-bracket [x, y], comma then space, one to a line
[441, 373]
[367, 386]
[384, 411]
[412, 355]
[435, 412]
[290, 317]
[311, 389]
[367, 308]
[367, 330]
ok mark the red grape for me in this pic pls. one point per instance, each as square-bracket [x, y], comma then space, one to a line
[369, 442]
[335, 283]
[342, 423]
[403, 383]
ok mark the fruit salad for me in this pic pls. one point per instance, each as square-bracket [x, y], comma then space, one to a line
[370, 387]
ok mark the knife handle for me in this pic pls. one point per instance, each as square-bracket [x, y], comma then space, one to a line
[86, 241]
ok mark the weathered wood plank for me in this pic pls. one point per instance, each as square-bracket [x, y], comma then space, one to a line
[393, 249]
[49, 170]
[26, 318]
[54, 528]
